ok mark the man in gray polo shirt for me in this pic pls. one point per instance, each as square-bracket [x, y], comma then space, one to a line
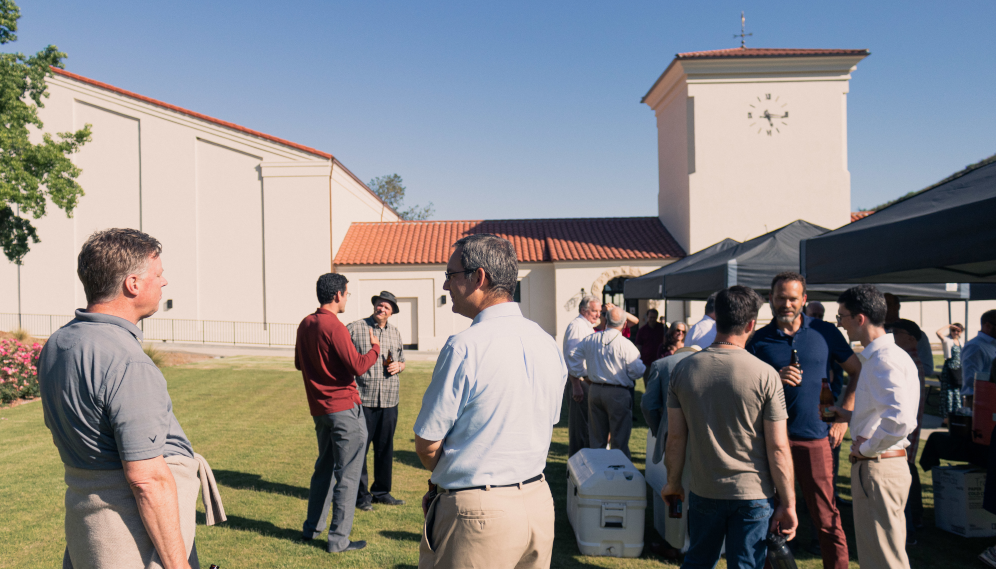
[130, 470]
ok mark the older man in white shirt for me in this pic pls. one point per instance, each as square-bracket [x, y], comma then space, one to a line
[486, 422]
[703, 332]
[577, 388]
[612, 364]
[887, 399]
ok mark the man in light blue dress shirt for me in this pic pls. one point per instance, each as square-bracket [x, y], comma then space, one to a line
[977, 355]
[486, 422]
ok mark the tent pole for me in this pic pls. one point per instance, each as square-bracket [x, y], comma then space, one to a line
[949, 313]
[966, 320]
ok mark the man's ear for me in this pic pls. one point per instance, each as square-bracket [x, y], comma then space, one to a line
[130, 285]
[480, 275]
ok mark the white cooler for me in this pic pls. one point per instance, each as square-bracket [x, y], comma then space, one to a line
[606, 503]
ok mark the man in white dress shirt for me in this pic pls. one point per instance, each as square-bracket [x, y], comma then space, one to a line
[486, 422]
[577, 387]
[703, 332]
[612, 364]
[887, 399]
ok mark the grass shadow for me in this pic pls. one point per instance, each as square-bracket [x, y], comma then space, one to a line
[247, 481]
[263, 528]
[407, 457]
[401, 535]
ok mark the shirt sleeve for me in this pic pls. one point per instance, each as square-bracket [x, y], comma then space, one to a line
[400, 344]
[575, 359]
[355, 363]
[971, 366]
[774, 405]
[635, 367]
[138, 409]
[446, 396]
[840, 350]
[895, 422]
[672, 392]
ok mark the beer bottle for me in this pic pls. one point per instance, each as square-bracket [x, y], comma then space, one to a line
[674, 507]
[826, 402]
[795, 359]
[388, 360]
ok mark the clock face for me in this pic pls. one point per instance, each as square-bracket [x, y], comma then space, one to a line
[767, 115]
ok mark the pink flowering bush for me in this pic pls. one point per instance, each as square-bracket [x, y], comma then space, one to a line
[18, 370]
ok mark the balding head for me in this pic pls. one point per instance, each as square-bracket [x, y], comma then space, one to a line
[616, 318]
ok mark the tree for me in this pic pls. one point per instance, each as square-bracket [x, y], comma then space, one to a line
[391, 190]
[31, 175]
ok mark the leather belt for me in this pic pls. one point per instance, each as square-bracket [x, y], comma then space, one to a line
[888, 454]
[536, 478]
[610, 385]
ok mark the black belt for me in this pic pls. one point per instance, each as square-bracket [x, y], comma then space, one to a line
[611, 385]
[536, 478]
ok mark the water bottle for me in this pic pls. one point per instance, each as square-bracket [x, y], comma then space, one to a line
[779, 555]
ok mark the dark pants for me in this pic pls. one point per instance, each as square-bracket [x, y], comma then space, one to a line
[577, 420]
[813, 470]
[381, 423]
[341, 437]
[742, 523]
[914, 505]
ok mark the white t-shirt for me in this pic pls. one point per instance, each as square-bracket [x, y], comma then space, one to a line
[946, 343]
[703, 333]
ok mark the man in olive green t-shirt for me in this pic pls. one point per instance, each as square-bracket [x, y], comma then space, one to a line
[728, 407]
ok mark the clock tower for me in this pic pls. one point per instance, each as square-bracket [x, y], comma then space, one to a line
[752, 139]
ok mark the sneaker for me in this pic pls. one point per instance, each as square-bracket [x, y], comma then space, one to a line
[989, 557]
[389, 500]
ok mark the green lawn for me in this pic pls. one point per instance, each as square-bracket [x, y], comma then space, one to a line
[249, 417]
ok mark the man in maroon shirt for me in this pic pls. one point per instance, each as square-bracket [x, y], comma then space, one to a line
[328, 361]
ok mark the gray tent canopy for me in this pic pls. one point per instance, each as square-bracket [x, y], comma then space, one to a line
[651, 285]
[945, 233]
[754, 263]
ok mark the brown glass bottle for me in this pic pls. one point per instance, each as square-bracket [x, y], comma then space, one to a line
[794, 361]
[388, 360]
[826, 402]
[674, 507]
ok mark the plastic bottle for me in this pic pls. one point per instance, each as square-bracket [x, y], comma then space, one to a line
[779, 555]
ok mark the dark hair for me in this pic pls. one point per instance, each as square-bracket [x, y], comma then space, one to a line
[329, 285]
[711, 304]
[788, 276]
[496, 256]
[989, 316]
[865, 299]
[109, 256]
[907, 326]
[735, 308]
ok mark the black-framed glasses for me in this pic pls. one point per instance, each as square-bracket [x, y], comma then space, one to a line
[448, 275]
[839, 316]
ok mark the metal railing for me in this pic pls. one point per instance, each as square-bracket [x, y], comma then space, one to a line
[171, 330]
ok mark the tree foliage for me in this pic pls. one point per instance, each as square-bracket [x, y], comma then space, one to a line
[392, 190]
[31, 175]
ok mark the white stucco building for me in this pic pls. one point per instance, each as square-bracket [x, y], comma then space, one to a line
[247, 220]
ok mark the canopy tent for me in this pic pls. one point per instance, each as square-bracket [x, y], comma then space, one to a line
[754, 263]
[942, 234]
[651, 285]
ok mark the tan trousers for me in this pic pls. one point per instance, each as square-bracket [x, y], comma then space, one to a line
[879, 489]
[498, 528]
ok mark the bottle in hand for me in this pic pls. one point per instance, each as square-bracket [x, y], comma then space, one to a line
[826, 403]
[794, 361]
[388, 360]
[779, 554]
[674, 507]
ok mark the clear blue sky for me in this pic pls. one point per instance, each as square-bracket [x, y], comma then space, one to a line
[529, 109]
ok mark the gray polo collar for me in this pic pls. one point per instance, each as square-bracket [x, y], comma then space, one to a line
[99, 318]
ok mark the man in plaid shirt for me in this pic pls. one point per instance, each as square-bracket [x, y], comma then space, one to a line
[379, 389]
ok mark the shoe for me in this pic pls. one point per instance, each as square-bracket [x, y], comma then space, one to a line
[353, 546]
[664, 549]
[365, 506]
[389, 500]
[989, 557]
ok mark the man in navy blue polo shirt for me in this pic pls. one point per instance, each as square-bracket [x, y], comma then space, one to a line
[818, 344]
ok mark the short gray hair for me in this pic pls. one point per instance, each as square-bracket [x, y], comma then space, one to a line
[496, 256]
[109, 256]
[612, 322]
[586, 300]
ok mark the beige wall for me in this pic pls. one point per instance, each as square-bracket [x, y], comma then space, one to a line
[743, 182]
[247, 225]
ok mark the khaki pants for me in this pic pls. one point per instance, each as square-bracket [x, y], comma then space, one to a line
[498, 528]
[610, 410]
[879, 489]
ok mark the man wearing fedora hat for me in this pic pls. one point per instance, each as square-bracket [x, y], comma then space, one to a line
[379, 388]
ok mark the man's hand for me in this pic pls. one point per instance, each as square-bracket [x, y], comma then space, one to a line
[670, 491]
[427, 501]
[791, 375]
[837, 431]
[855, 446]
[577, 392]
[785, 521]
[843, 415]
[373, 339]
[395, 368]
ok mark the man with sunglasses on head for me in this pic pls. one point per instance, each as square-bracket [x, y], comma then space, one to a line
[329, 362]
[486, 422]
[885, 413]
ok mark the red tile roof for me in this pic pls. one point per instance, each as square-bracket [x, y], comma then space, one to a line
[189, 113]
[856, 215]
[767, 52]
[535, 240]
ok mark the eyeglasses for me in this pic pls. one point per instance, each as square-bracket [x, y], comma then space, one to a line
[448, 275]
[839, 316]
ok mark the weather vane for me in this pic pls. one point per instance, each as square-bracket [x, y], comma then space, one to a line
[743, 28]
